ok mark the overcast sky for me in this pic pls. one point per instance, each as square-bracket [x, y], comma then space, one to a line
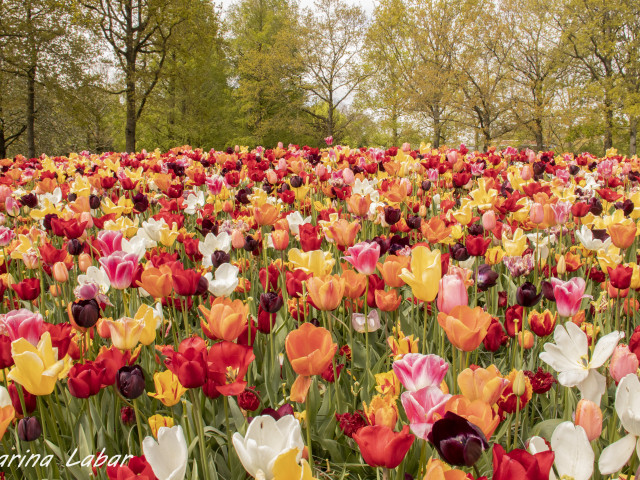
[366, 4]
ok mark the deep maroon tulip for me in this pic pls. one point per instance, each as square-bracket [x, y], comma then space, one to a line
[459, 252]
[271, 302]
[392, 215]
[527, 295]
[219, 257]
[458, 441]
[85, 312]
[486, 277]
[29, 429]
[130, 381]
[547, 290]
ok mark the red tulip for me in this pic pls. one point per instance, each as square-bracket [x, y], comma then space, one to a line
[85, 380]
[620, 277]
[382, 447]
[521, 464]
[27, 289]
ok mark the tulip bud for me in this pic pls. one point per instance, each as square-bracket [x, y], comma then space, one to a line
[280, 239]
[526, 173]
[227, 207]
[525, 339]
[75, 247]
[60, 272]
[127, 415]
[537, 213]
[94, 201]
[130, 381]
[623, 362]
[562, 265]
[84, 262]
[489, 220]
[55, 290]
[85, 313]
[237, 239]
[272, 176]
[29, 429]
[519, 384]
[589, 417]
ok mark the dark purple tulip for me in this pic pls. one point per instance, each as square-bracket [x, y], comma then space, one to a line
[250, 243]
[527, 295]
[130, 381]
[219, 257]
[29, 200]
[385, 244]
[600, 234]
[85, 313]
[29, 429]
[202, 287]
[595, 206]
[414, 222]
[459, 252]
[271, 302]
[486, 277]
[296, 181]
[140, 202]
[547, 290]
[392, 215]
[458, 441]
[476, 229]
[426, 185]
[75, 247]
[94, 201]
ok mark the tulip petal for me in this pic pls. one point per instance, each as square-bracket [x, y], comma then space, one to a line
[604, 348]
[616, 455]
[574, 455]
[593, 386]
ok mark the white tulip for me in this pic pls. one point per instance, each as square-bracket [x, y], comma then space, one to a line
[357, 321]
[169, 455]
[295, 220]
[5, 398]
[616, 455]
[569, 356]
[585, 235]
[265, 440]
[225, 281]
[194, 202]
[96, 276]
[211, 243]
[574, 454]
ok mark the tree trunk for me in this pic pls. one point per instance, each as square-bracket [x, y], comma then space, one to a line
[608, 126]
[633, 134]
[31, 113]
[437, 128]
[130, 128]
[538, 134]
[3, 146]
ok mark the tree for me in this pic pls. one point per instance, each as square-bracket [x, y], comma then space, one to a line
[265, 60]
[138, 33]
[333, 37]
[591, 34]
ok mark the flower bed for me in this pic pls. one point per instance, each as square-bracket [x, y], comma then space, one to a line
[302, 313]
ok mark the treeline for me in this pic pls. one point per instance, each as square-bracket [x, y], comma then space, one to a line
[105, 75]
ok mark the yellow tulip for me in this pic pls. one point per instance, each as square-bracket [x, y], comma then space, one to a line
[125, 332]
[515, 246]
[37, 369]
[168, 388]
[316, 261]
[286, 467]
[147, 315]
[425, 274]
[157, 421]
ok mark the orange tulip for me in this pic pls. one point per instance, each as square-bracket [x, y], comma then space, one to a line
[387, 301]
[343, 233]
[484, 384]
[358, 204]
[354, 283]
[326, 292]
[84, 262]
[589, 417]
[622, 235]
[7, 414]
[477, 412]
[266, 214]
[382, 410]
[310, 350]
[226, 319]
[465, 327]
[280, 239]
[392, 268]
[435, 230]
[157, 282]
[438, 470]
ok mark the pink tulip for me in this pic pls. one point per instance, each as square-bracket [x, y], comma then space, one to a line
[526, 173]
[272, 176]
[364, 256]
[561, 211]
[452, 293]
[623, 362]
[109, 241]
[424, 408]
[23, 324]
[568, 295]
[348, 176]
[12, 206]
[416, 371]
[215, 184]
[489, 220]
[536, 213]
[452, 156]
[6, 235]
[406, 147]
[328, 140]
[237, 239]
[120, 267]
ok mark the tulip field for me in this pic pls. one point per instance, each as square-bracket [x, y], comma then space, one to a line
[298, 313]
